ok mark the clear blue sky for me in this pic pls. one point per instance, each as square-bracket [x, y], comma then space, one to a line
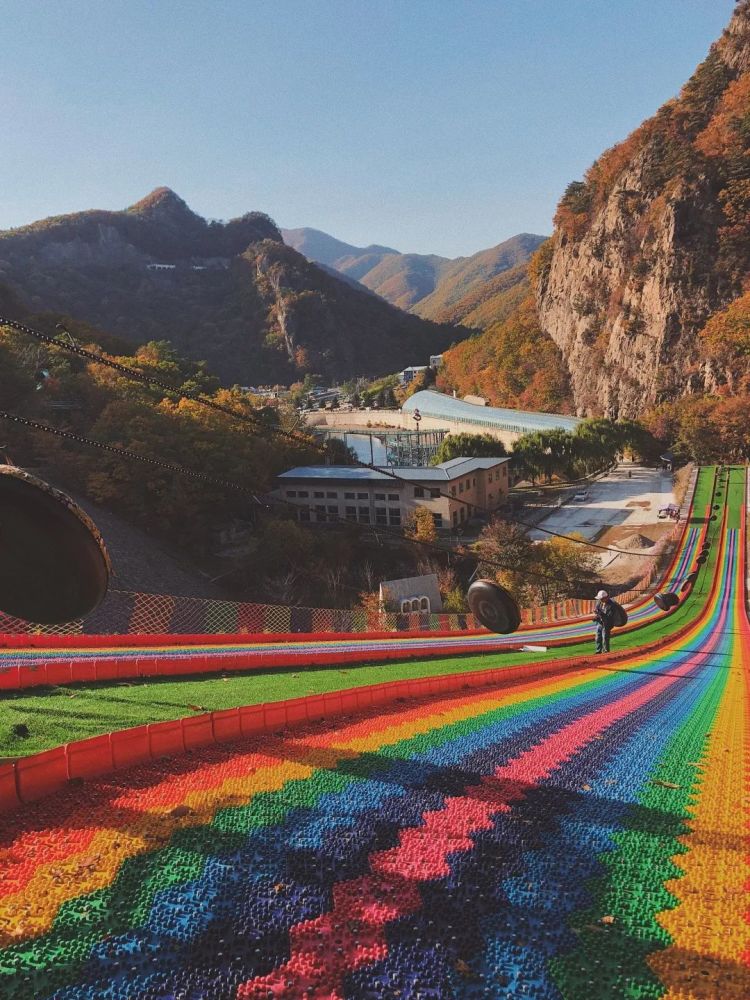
[438, 126]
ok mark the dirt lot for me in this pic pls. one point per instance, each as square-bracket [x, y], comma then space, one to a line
[622, 511]
[629, 497]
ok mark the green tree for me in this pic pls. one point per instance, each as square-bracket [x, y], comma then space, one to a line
[544, 454]
[337, 452]
[469, 446]
[596, 444]
[389, 398]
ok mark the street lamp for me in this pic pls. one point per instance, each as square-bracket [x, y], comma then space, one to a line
[417, 416]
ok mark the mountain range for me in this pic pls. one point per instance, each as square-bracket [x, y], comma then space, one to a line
[230, 293]
[460, 290]
[640, 298]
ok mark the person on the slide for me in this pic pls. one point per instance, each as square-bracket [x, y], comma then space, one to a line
[604, 616]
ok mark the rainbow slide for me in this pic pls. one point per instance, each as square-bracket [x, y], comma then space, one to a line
[562, 826]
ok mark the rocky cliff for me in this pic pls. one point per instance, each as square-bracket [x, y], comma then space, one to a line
[653, 241]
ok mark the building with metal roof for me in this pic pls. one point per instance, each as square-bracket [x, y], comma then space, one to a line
[453, 491]
[439, 406]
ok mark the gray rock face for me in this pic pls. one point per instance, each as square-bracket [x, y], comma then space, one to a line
[632, 280]
[625, 321]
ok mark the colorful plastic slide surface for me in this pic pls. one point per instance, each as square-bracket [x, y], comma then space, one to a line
[578, 834]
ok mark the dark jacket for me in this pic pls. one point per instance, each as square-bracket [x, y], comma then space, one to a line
[605, 613]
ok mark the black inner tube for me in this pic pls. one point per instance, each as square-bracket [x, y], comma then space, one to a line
[54, 567]
[493, 607]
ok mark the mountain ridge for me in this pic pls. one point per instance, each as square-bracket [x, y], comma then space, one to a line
[323, 248]
[230, 293]
[428, 285]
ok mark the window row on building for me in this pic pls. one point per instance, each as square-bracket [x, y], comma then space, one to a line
[357, 514]
[335, 495]
[452, 492]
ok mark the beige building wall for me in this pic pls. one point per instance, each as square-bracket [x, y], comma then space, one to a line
[391, 502]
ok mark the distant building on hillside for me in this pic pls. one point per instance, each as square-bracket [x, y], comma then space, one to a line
[452, 491]
[436, 360]
[409, 374]
[197, 264]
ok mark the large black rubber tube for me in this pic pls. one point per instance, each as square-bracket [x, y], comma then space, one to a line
[493, 607]
[54, 567]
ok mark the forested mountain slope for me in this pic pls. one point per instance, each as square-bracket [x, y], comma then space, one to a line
[641, 298]
[468, 281]
[230, 293]
[437, 288]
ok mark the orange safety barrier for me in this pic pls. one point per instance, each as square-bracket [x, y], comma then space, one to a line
[8, 791]
[166, 739]
[90, 758]
[41, 773]
[32, 641]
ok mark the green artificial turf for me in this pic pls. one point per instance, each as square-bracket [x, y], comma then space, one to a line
[62, 714]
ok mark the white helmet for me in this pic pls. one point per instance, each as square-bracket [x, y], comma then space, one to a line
[602, 595]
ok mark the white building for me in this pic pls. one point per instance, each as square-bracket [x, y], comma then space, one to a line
[452, 491]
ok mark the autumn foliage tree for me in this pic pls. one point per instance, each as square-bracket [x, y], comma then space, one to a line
[421, 526]
[100, 403]
[726, 345]
[513, 363]
[704, 429]
[536, 572]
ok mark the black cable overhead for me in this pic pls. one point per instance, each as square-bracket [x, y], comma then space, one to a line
[261, 425]
[139, 376]
[124, 452]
